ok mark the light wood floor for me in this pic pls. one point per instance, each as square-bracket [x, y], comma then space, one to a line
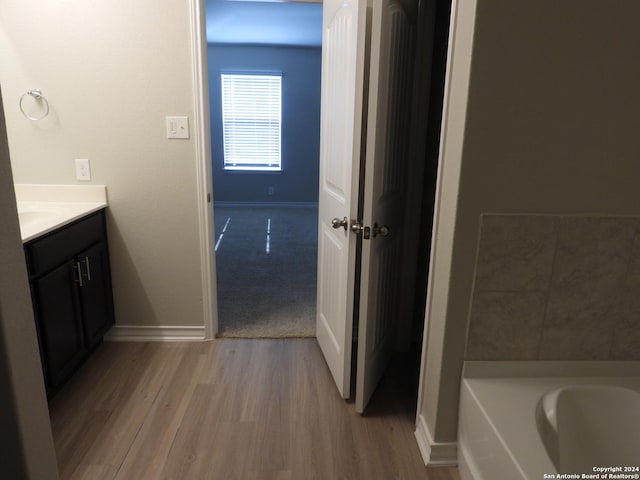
[230, 409]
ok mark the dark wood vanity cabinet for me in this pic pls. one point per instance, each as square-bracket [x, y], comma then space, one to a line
[59, 325]
[71, 290]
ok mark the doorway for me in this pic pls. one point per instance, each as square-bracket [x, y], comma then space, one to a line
[265, 188]
[432, 36]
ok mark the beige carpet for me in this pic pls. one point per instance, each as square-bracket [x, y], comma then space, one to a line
[266, 271]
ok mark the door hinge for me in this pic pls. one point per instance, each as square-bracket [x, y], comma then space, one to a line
[208, 197]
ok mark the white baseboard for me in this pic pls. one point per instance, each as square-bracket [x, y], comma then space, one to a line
[434, 454]
[137, 333]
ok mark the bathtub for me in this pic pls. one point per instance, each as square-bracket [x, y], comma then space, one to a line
[536, 420]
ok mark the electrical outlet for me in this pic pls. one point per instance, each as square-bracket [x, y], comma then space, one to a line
[83, 170]
[270, 191]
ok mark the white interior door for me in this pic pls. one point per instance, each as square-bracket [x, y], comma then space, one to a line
[343, 62]
[385, 193]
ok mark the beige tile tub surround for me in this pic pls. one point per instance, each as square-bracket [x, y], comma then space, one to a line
[516, 253]
[556, 288]
[626, 335]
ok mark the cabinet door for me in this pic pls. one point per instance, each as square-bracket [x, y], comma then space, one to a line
[95, 293]
[57, 311]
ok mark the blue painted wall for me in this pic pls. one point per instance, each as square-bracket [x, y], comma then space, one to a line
[300, 67]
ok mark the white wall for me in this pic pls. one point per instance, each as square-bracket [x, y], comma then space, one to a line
[550, 127]
[111, 70]
[26, 442]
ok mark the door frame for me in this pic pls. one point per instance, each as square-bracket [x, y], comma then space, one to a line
[435, 316]
[442, 359]
[204, 184]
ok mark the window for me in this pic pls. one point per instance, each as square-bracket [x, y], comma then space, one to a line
[251, 121]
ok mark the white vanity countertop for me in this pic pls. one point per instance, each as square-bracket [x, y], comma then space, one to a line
[44, 208]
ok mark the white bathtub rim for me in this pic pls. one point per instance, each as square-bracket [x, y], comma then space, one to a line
[466, 465]
[548, 421]
[496, 395]
[465, 451]
[497, 431]
[549, 400]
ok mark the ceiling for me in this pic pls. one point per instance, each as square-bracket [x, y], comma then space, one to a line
[264, 22]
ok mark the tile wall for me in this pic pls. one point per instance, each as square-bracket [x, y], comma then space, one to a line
[556, 288]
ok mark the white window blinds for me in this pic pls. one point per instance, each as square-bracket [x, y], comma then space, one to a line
[251, 121]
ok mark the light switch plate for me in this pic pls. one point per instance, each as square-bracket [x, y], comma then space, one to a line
[83, 170]
[177, 127]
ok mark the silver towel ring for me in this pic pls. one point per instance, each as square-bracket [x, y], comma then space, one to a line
[37, 95]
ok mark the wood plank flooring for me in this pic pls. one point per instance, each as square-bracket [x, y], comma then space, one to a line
[230, 409]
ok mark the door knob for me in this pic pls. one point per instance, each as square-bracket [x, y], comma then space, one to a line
[337, 223]
[369, 232]
[383, 231]
[357, 227]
